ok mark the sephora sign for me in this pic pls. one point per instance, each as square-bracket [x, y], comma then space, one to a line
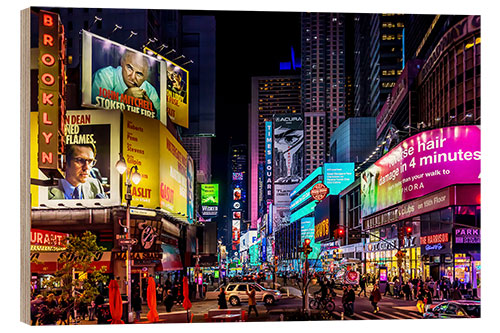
[422, 164]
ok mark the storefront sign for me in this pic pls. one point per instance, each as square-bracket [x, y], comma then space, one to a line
[434, 247]
[434, 239]
[43, 240]
[138, 255]
[322, 229]
[467, 236]
[319, 191]
[51, 93]
[424, 163]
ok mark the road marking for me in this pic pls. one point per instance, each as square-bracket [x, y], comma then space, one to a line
[362, 317]
[390, 315]
[407, 315]
[340, 316]
[375, 315]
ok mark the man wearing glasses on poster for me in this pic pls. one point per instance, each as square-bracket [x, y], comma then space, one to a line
[78, 183]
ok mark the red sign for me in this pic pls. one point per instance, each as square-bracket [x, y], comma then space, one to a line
[43, 240]
[434, 239]
[51, 91]
[319, 191]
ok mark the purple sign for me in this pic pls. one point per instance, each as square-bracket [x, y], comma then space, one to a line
[467, 236]
[422, 164]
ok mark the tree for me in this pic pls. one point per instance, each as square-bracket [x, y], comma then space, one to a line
[79, 257]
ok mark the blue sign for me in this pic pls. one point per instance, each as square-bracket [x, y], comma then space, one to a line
[337, 176]
[268, 168]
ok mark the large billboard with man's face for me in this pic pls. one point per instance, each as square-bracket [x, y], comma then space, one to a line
[422, 164]
[91, 150]
[117, 77]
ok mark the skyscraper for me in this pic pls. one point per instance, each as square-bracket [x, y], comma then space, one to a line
[270, 95]
[324, 82]
[378, 58]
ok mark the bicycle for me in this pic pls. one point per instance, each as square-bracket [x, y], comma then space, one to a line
[320, 303]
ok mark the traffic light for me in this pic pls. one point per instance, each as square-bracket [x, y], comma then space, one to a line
[339, 233]
[408, 231]
[401, 234]
[307, 246]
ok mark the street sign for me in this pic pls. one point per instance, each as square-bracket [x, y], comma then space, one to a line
[127, 241]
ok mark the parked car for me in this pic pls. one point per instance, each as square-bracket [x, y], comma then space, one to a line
[291, 292]
[236, 293]
[455, 309]
[211, 295]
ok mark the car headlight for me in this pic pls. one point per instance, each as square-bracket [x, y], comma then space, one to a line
[278, 293]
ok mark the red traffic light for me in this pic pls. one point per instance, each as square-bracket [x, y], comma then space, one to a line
[408, 230]
[275, 257]
[341, 232]
[307, 241]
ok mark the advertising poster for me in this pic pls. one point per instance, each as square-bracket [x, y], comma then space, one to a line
[422, 164]
[236, 234]
[91, 145]
[141, 148]
[190, 188]
[173, 171]
[288, 149]
[117, 77]
[177, 94]
[210, 194]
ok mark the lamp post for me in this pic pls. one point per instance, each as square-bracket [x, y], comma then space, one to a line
[132, 176]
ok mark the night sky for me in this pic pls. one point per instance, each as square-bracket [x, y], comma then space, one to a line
[248, 44]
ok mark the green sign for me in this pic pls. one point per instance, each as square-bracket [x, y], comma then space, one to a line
[209, 194]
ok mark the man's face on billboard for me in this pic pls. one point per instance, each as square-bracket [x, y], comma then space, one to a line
[134, 69]
[78, 168]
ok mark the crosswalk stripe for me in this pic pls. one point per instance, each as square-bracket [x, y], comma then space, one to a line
[362, 317]
[407, 315]
[390, 315]
[340, 316]
[374, 314]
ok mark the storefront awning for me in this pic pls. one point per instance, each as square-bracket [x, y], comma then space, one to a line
[171, 259]
[46, 262]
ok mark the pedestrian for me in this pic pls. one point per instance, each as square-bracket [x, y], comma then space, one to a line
[362, 285]
[221, 300]
[420, 302]
[456, 294]
[427, 298]
[252, 304]
[137, 306]
[351, 296]
[169, 301]
[375, 297]
[407, 291]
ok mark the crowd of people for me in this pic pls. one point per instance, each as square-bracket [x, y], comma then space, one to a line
[64, 309]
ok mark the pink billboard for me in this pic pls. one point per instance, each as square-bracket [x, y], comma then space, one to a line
[422, 164]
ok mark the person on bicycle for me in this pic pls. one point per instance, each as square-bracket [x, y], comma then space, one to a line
[323, 290]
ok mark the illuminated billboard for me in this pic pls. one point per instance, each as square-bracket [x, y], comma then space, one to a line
[268, 168]
[337, 176]
[236, 234]
[288, 156]
[177, 92]
[209, 199]
[210, 194]
[162, 162]
[173, 172]
[141, 148]
[422, 164]
[91, 144]
[117, 77]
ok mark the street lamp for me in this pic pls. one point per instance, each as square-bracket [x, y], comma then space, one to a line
[132, 176]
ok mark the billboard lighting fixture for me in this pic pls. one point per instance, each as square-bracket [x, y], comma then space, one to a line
[172, 50]
[117, 27]
[188, 62]
[179, 57]
[132, 34]
[96, 18]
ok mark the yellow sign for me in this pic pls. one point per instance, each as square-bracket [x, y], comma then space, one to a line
[140, 148]
[173, 171]
[322, 229]
[34, 173]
